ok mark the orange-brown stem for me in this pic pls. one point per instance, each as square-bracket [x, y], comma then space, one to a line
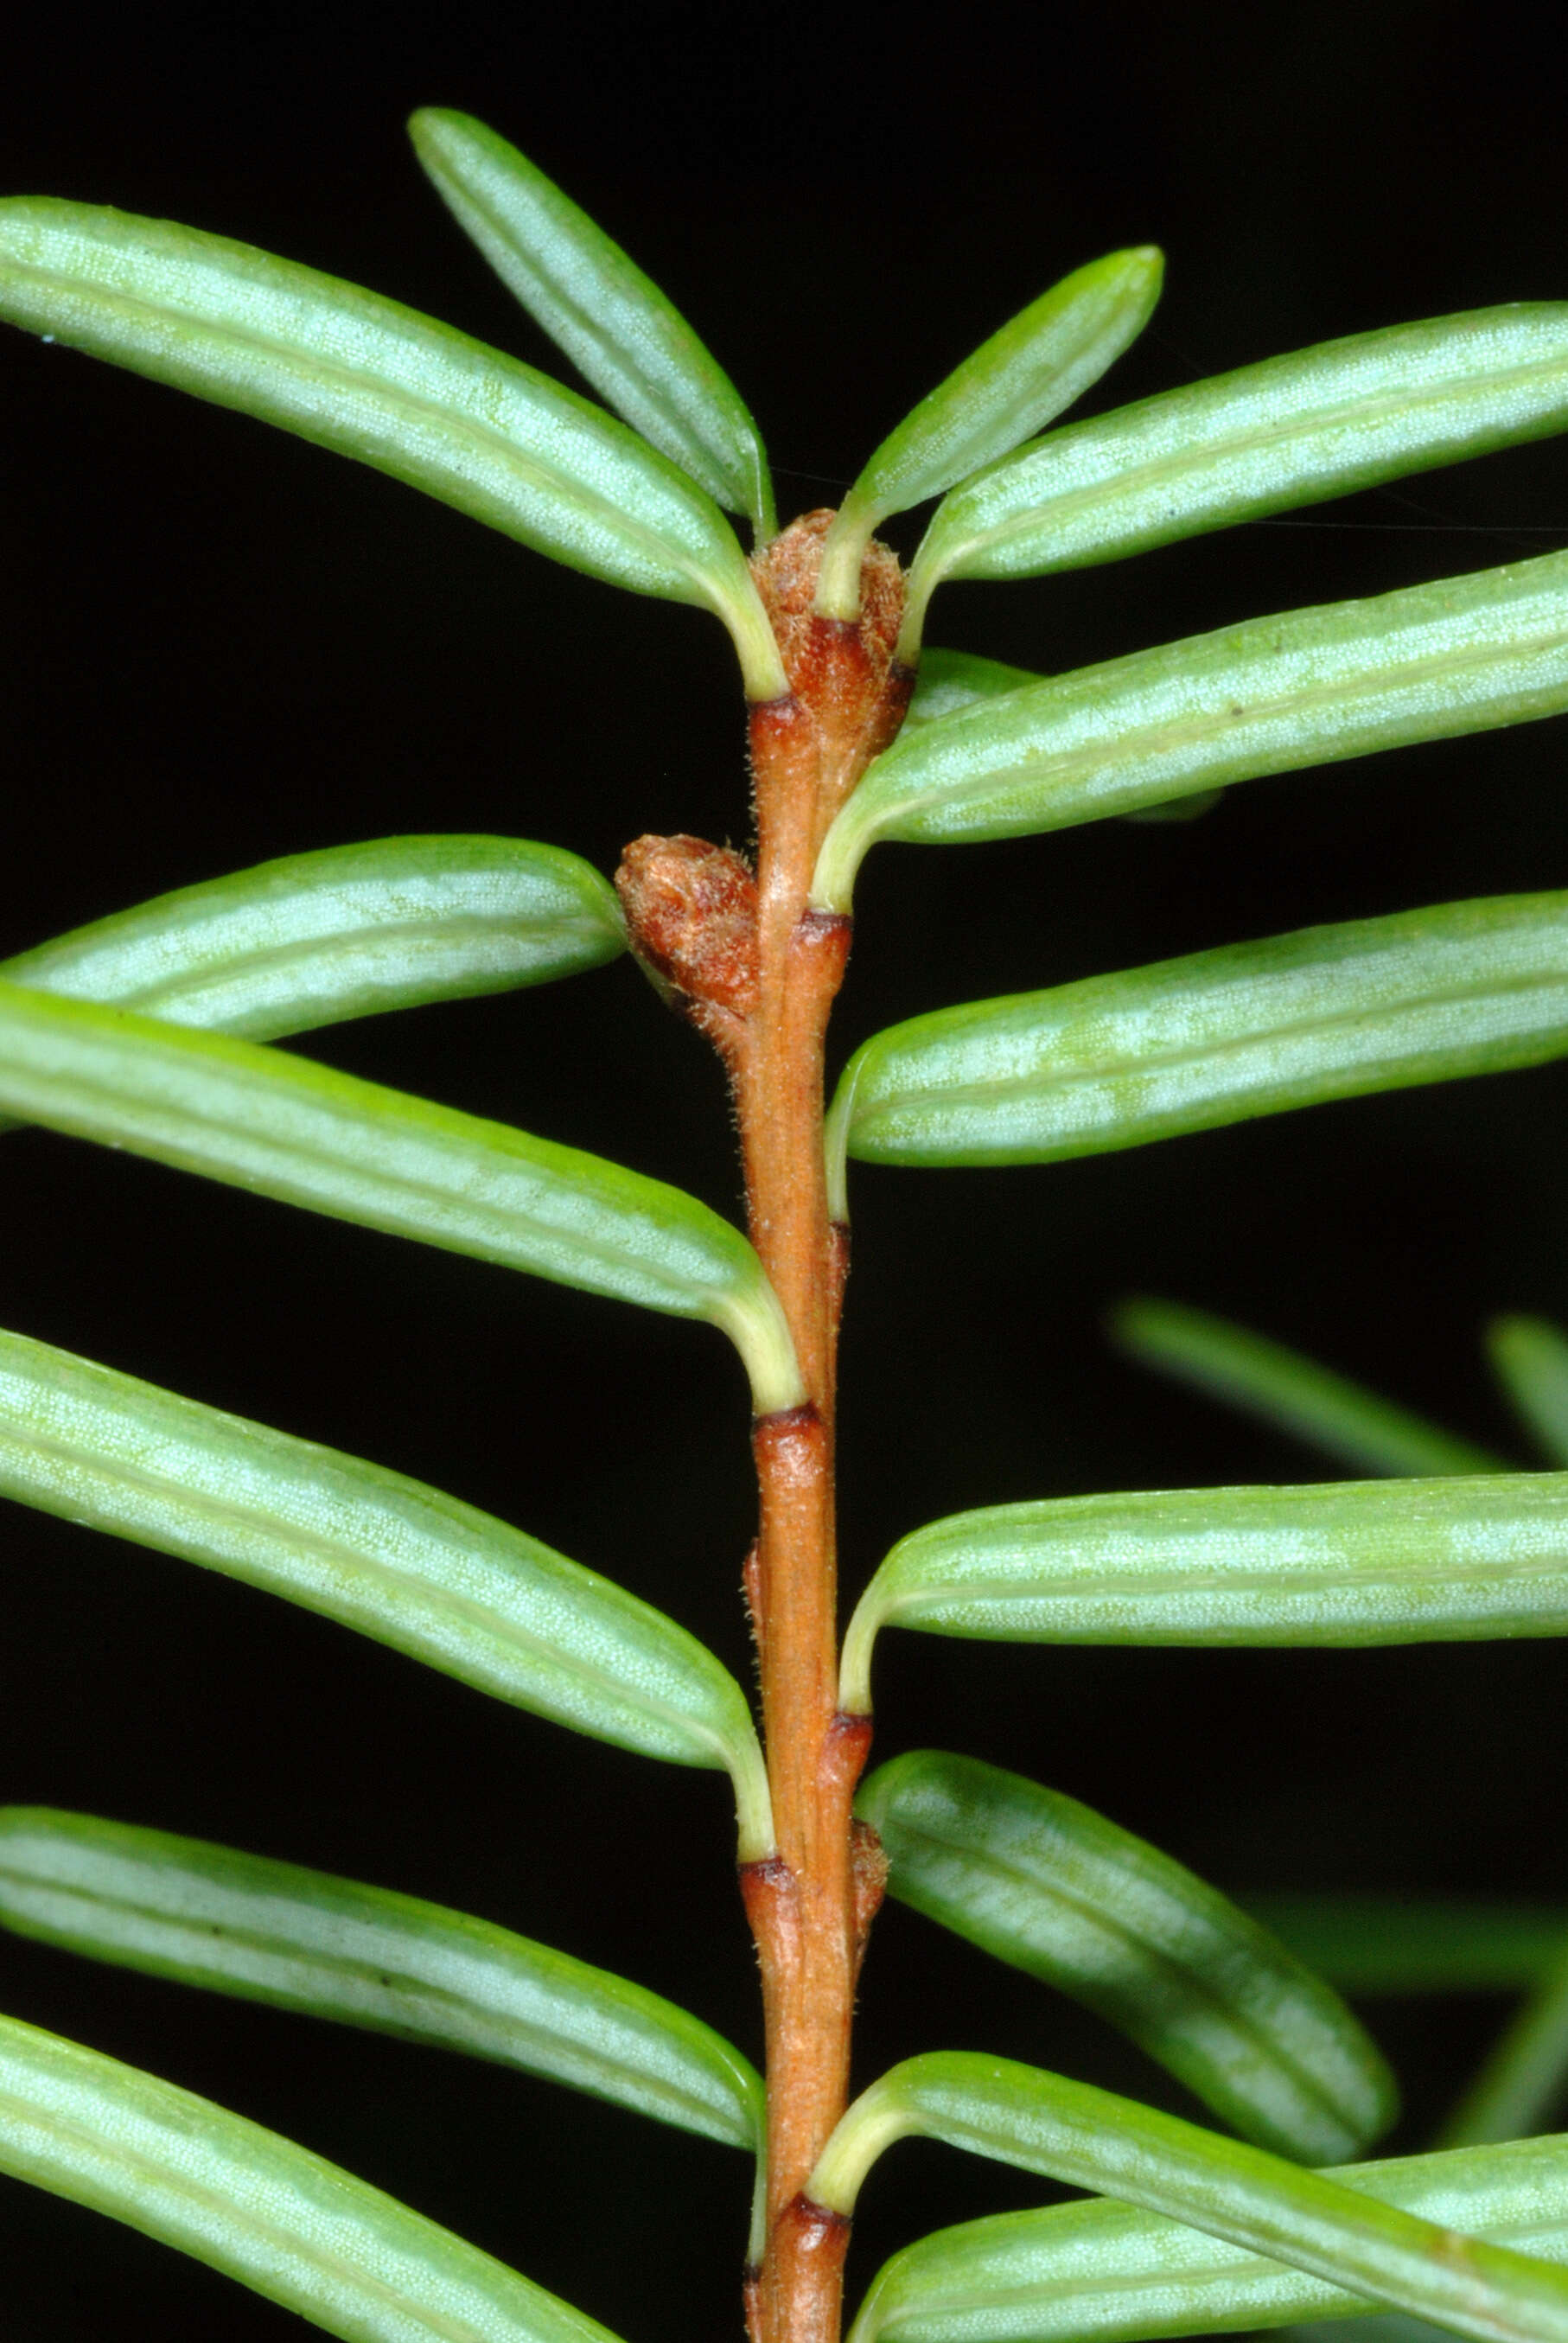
[803, 1913]
[757, 968]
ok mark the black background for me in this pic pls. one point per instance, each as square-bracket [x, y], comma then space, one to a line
[221, 645]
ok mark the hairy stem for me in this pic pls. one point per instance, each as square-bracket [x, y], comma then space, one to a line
[810, 1908]
[744, 956]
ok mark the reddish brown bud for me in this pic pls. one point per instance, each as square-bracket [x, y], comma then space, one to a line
[842, 676]
[691, 916]
[785, 573]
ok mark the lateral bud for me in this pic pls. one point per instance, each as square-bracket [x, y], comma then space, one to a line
[691, 919]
